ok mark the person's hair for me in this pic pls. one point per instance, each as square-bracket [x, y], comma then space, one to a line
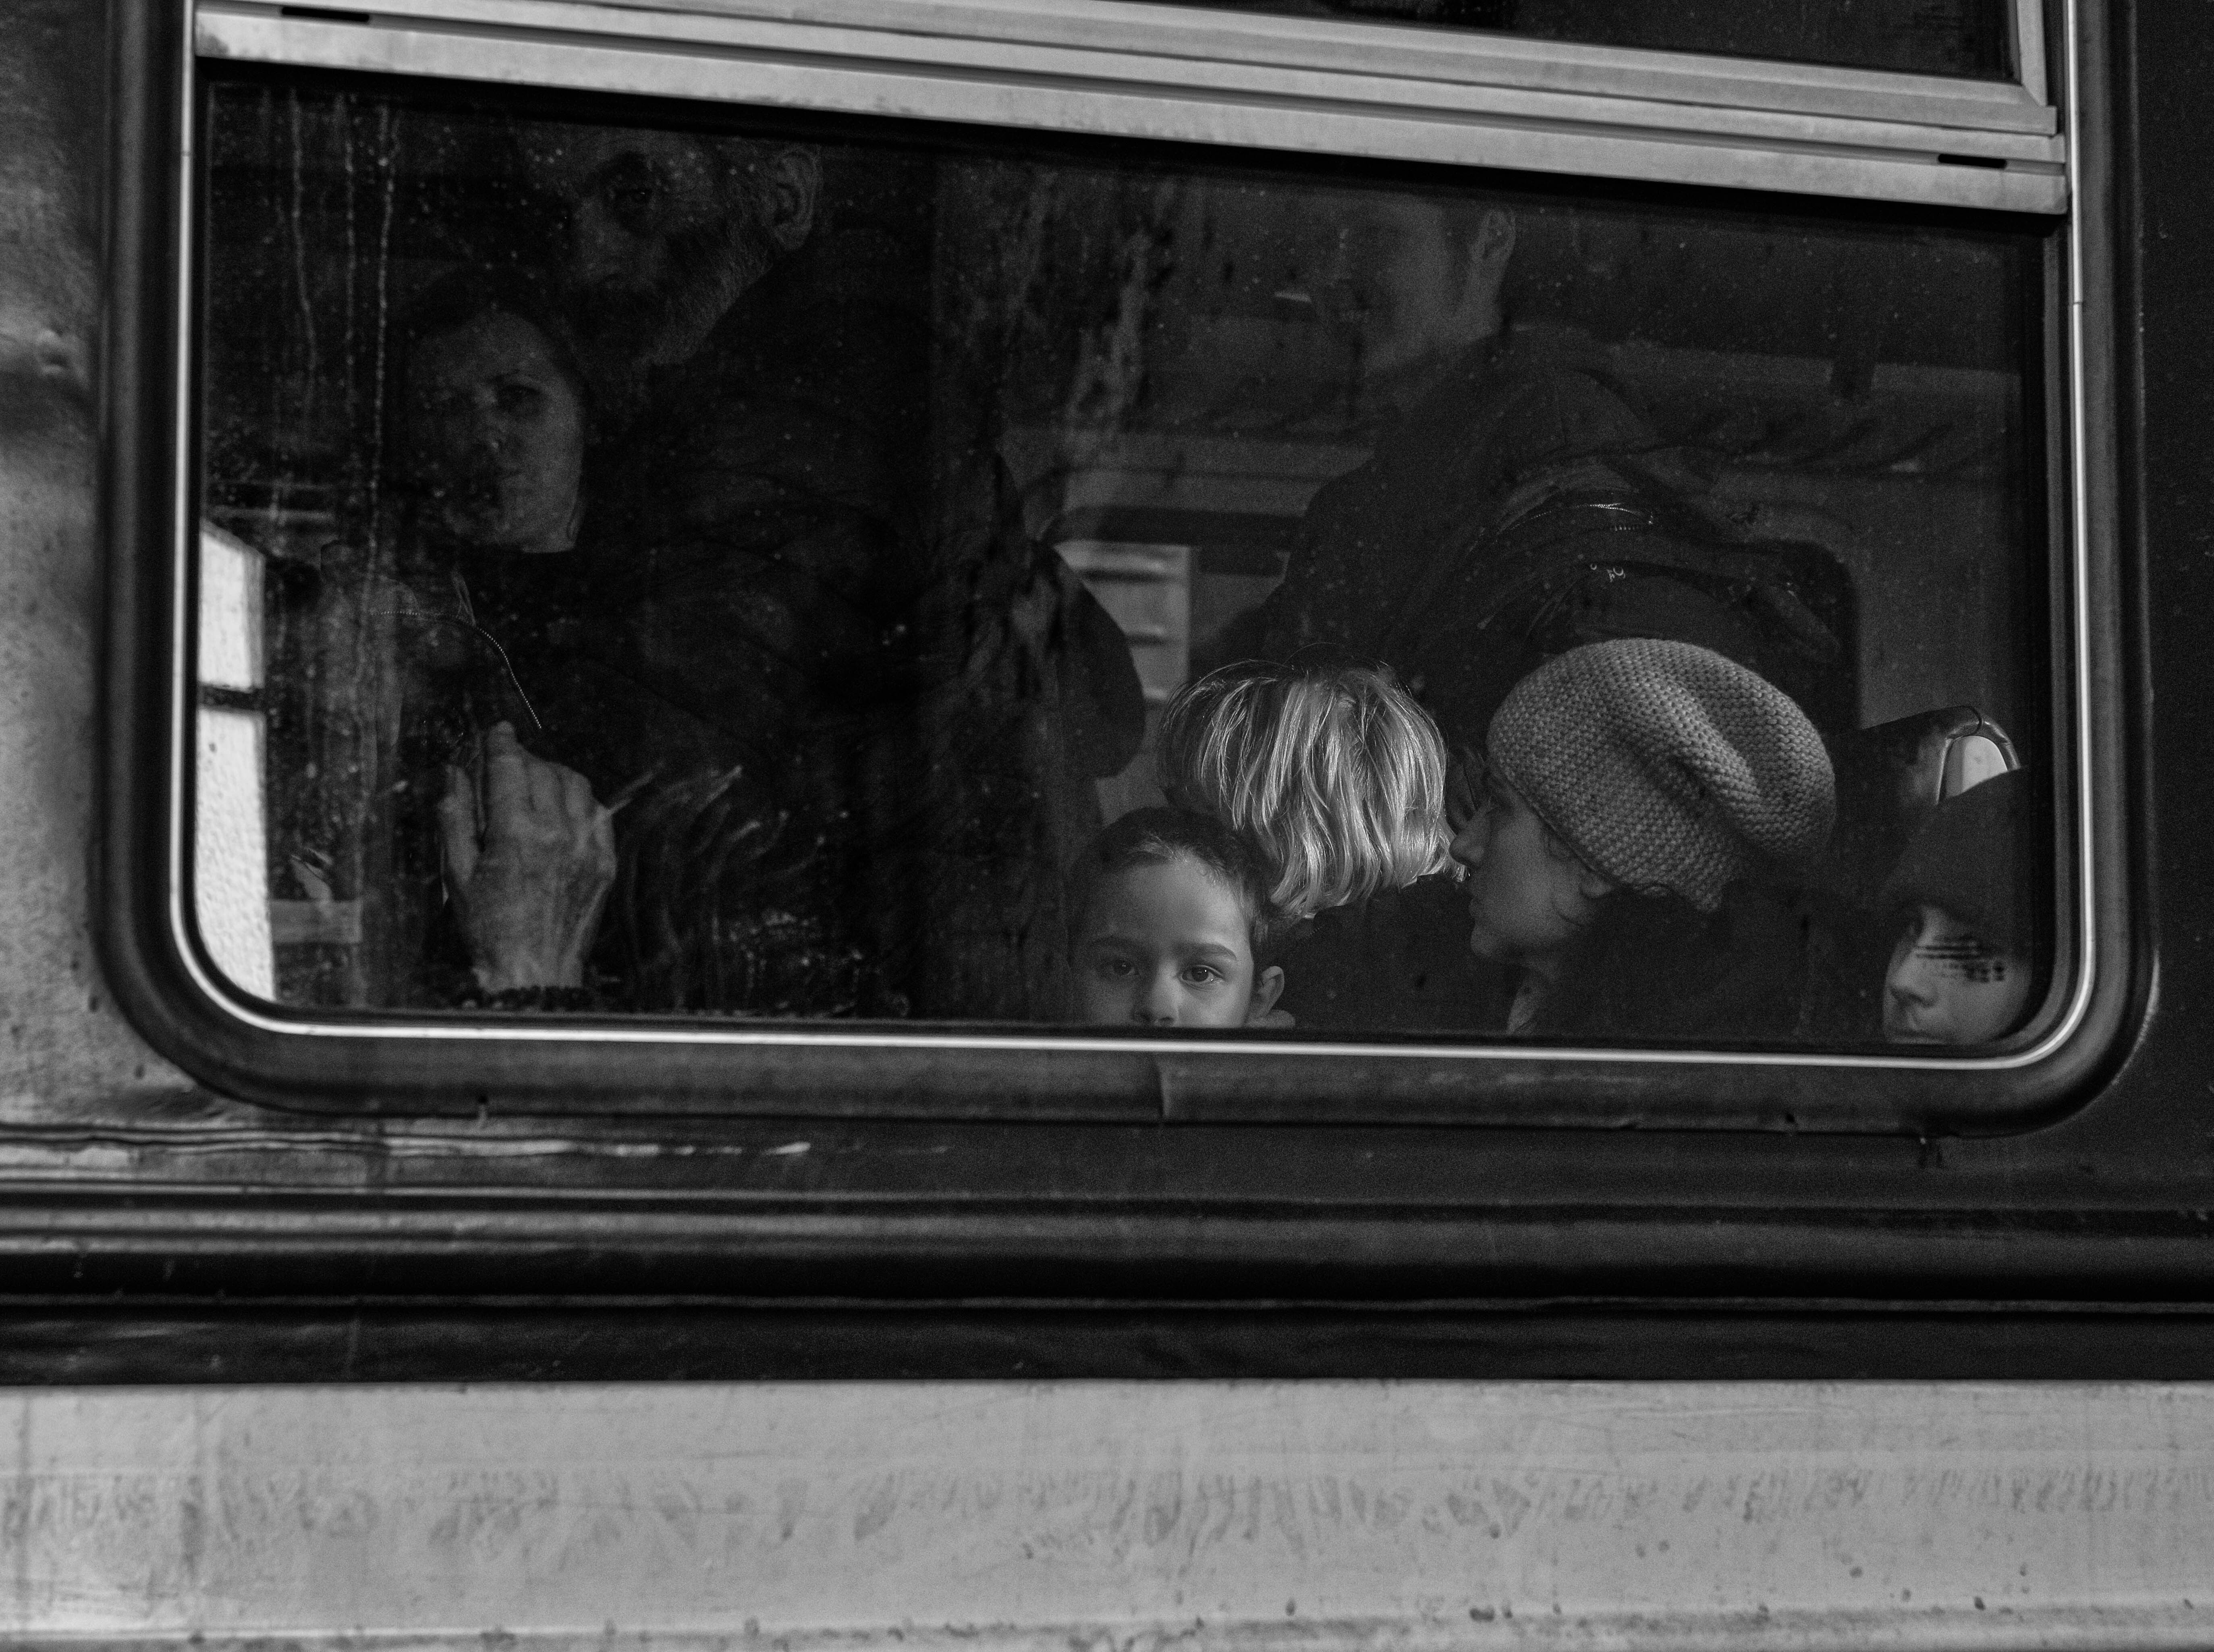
[1970, 859]
[460, 296]
[1327, 765]
[1149, 836]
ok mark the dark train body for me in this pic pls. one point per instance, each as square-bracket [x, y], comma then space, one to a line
[199, 1215]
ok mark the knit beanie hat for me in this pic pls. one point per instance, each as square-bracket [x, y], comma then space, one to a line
[1667, 768]
[1964, 860]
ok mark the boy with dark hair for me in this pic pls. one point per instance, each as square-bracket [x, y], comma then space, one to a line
[1961, 969]
[1171, 926]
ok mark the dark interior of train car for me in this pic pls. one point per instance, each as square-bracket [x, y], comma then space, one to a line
[1195, 412]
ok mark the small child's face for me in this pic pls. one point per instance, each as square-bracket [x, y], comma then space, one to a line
[1167, 943]
[1525, 903]
[1949, 985]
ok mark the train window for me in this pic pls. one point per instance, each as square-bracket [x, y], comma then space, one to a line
[712, 585]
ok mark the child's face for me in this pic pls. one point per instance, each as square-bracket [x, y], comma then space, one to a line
[1949, 985]
[1526, 903]
[1167, 943]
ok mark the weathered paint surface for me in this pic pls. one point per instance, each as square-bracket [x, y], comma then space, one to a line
[63, 1051]
[1478, 1514]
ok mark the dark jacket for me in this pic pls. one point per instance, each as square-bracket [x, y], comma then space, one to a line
[782, 574]
[1525, 507]
[1396, 962]
[1659, 968]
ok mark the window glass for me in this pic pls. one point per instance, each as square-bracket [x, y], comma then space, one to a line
[869, 571]
[1960, 38]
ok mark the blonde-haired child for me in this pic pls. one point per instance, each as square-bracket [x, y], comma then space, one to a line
[1328, 767]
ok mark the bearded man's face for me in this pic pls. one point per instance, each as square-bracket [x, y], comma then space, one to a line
[663, 238]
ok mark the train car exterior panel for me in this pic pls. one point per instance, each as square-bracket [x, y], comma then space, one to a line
[288, 1373]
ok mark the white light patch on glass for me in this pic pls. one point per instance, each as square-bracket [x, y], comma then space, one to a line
[230, 852]
[230, 611]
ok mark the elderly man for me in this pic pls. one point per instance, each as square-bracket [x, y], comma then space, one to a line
[809, 593]
[754, 550]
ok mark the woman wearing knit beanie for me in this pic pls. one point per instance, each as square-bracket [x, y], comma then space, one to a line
[1960, 970]
[1647, 805]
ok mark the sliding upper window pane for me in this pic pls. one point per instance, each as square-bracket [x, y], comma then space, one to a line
[742, 567]
[1968, 39]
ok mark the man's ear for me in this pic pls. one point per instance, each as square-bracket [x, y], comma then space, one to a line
[1477, 314]
[1495, 241]
[1268, 987]
[791, 182]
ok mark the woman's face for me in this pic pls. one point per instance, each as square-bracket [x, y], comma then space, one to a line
[1949, 985]
[1528, 903]
[500, 429]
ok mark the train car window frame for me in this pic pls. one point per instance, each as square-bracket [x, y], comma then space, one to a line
[1161, 73]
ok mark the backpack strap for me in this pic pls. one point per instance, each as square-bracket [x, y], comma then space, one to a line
[1555, 530]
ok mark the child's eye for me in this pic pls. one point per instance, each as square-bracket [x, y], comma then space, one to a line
[1114, 969]
[1202, 975]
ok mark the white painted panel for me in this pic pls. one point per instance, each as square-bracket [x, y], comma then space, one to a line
[230, 875]
[1146, 590]
[230, 854]
[230, 611]
[1081, 1514]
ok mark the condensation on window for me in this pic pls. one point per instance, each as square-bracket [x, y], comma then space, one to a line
[1959, 39]
[817, 570]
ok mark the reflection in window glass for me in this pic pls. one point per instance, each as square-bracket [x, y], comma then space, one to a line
[883, 572]
[1964, 39]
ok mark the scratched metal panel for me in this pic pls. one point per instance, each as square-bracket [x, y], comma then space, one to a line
[1326, 1513]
